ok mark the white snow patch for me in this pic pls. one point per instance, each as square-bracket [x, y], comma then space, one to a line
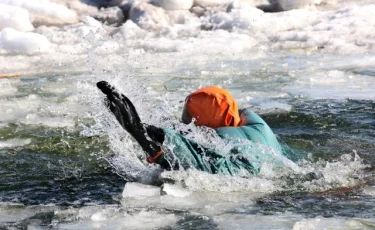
[14, 17]
[45, 8]
[12, 40]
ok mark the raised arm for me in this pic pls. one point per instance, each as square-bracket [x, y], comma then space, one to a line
[126, 114]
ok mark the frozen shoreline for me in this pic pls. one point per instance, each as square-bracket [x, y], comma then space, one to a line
[243, 31]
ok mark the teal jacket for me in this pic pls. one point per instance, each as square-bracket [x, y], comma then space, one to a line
[244, 149]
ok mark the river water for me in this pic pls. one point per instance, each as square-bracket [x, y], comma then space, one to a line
[64, 160]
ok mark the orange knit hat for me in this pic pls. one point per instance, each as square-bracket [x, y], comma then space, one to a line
[211, 106]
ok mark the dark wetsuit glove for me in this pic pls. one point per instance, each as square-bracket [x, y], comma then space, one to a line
[127, 116]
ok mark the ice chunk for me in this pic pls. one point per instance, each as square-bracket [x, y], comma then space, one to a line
[7, 89]
[148, 16]
[211, 3]
[242, 4]
[175, 4]
[45, 12]
[92, 22]
[369, 190]
[12, 143]
[138, 190]
[175, 190]
[330, 223]
[15, 17]
[13, 40]
[295, 4]
[111, 16]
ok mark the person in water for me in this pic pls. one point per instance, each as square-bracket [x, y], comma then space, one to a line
[215, 108]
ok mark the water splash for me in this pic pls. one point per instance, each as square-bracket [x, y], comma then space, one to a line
[128, 159]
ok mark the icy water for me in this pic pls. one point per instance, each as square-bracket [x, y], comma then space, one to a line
[60, 169]
[64, 160]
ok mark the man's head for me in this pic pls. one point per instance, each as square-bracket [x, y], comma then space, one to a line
[211, 106]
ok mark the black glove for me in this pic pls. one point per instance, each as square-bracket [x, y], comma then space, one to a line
[127, 116]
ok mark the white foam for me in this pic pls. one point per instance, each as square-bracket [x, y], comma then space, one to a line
[98, 217]
[202, 181]
[175, 190]
[133, 189]
[347, 171]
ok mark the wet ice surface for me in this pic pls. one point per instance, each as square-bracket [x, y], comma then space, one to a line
[309, 72]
